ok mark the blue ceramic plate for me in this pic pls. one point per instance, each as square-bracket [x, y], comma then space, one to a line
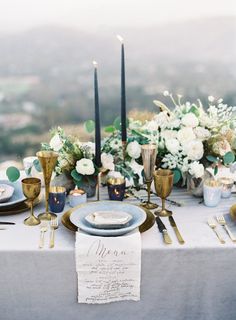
[78, 217]
[17, 196]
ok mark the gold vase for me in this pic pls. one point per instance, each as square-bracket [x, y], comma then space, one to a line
[149, 154]
[48, 160]
[163, 180]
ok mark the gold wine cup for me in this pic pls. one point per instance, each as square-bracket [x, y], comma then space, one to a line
[48, 160]
[163, 180]
[31, 188]
[149, 154]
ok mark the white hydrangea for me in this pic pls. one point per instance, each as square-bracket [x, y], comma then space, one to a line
[190, 120]
[194, 149]
[134, 149]
[85, 167]
[172, 145]
[185, 135]
[202, 133]
[196, 169]
[56, 143]
[107, 161]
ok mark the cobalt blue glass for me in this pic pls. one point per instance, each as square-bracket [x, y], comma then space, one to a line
[57, 199]
[116, 188]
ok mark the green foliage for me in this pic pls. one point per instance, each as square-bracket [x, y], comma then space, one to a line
[194, 109]
[89, 126]
[229, 157]
[215, 170]
[177, 175]
[37, 165]
[117, 123]
[110, 129]
[212, 159]
[13, 174]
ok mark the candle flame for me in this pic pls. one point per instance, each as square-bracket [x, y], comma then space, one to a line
[120, 38]
[95, 64]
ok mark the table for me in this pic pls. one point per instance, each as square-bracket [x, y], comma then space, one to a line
[179, 282]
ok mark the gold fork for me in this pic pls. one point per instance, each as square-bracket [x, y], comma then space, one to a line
[222, 222]
[53, 227]
[43, 229]
[212, 225]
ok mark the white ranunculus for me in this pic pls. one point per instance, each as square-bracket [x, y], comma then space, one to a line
[56, 144]
[202, 133]
[190, 120]
[169, 134]
[185, 135]
[194, 150]
[134, 149]
[137, 169]
[196, 169]
[107, 161]
[172, 145]
[221, 147]
[85, 167]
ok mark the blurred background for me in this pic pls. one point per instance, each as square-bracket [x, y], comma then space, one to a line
[47, 48]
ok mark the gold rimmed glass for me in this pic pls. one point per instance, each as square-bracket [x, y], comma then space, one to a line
[163, 180]
[48, 160]
[31, 188]
[149, 154]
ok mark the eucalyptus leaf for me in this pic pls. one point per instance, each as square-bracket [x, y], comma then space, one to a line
[89, 126]
[215, 170]
[110, 129]
[211, 158]
[229, 157]
[194, 109]
[117, 123]
[13, 174]
[76, 176]
[37, 165]
[177, 175]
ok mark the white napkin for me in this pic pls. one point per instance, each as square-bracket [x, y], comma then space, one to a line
[108, 268]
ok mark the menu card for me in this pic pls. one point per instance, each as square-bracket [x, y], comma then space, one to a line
[108, 268]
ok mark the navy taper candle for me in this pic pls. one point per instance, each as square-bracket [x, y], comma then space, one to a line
[123, 93]
[97, 119]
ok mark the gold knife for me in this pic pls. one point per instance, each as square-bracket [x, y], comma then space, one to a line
[174, 226]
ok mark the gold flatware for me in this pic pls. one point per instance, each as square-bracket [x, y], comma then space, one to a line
[212, 224]
[163, 230]
[43, 230]
[174, 226]
[163, 180]
[31, 188]
[149, 154]
[222, 222]
[48, 160]
[3, 228]
[53, 227]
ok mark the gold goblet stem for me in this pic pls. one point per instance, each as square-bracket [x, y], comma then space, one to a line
[149, 191]
[163, 204]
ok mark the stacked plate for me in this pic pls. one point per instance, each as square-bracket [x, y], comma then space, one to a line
[12, 199]
[107, 218]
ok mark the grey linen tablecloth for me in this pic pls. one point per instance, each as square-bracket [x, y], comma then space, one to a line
[179, 282]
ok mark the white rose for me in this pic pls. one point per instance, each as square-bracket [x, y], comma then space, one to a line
[194, 150]
[190, 120]
[107, 161]
[196, 169]
[85, 167]
[134, 149]
[202, 133]
[185, 135]
[221, 147]
[56, 144]
[172, 145]
[169, 134]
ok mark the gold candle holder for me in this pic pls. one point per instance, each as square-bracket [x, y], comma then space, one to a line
[48, 160]
[163, 180]
[149, 154]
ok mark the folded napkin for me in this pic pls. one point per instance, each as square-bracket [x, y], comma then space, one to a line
[108, 268]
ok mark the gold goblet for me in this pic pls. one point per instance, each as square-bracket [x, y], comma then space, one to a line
[31, 188]
[149, 154]
[163, 180]
[48, 160]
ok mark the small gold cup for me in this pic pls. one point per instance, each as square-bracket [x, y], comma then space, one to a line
[31, 188]
[163, 180]
[149, 154]
[48, 160]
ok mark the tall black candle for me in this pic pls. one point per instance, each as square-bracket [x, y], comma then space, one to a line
[123, 93]
[97, 119]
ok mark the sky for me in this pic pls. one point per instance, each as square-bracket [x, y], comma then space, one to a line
[17, 15]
